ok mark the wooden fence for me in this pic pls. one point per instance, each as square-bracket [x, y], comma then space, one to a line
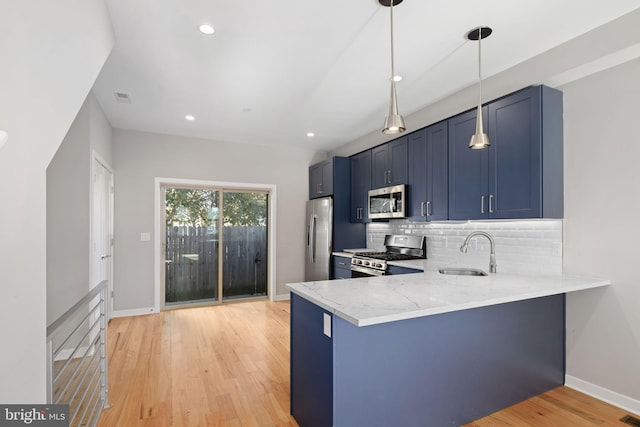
[191, 263]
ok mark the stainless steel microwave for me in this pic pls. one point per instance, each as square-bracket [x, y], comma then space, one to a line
[387, 202]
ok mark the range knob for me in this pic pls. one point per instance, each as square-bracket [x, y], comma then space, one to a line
[378, 265]
[366, 263]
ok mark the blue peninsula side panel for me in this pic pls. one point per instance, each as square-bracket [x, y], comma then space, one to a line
[447, 369]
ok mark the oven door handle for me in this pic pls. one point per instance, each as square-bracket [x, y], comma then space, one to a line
[369, 271]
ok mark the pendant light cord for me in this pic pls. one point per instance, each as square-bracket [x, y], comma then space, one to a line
[480, 67]
[392, 67]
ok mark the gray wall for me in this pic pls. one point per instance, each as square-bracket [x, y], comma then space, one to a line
[141, 157]
[51, 54]
[601, 232]
[69, 208]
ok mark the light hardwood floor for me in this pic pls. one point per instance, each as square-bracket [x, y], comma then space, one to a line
[229, 366]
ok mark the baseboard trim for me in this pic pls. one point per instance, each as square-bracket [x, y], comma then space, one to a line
[281, 297]
[606, 395]
[134, 312]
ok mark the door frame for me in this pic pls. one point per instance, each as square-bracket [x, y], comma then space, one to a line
[157, 235]
[97, 158]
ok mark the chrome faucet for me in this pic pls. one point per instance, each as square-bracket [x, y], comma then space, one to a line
[492, 255]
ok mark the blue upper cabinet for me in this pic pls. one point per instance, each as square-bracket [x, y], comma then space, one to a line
[360, 186]
[321, 179]
[389, 163]
[520, 174]
[428, 173]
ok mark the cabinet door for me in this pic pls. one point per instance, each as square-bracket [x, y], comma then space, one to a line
[515, 156]
[437, 202]
[315, 180]
[380, 166]
[326, 185]
[360, 186]
[389, 163]
[341, 268]
[321, 179]
[468, 170]
[397, 162]
[428, 173]
[417, 175]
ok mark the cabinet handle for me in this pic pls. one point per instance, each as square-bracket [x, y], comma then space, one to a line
[428, 208]
[490, 203]
[389, 182]
[385, 176]
[482, 204]
[422, 209]
[320, 188]
[342, 263]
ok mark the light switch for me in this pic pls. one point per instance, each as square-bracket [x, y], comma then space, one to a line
[326, 321]
[145, 237]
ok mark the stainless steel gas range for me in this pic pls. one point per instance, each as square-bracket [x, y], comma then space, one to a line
[398, 248]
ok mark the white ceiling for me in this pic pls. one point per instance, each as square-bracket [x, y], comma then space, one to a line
[274, 71]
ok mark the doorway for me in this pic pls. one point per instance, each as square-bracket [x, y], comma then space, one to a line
[214, 244]
[102, 227]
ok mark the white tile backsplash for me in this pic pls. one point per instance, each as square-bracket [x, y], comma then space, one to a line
[525, 246]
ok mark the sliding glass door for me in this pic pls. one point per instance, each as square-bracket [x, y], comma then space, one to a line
[215, 245]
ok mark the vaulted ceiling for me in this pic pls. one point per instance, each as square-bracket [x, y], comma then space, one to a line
[274, 71]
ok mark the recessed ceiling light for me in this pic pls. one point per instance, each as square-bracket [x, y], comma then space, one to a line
[206, 29]
[311, 134]
[397, 78]
[189, 117]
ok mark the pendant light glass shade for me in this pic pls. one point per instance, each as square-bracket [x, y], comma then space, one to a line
[394, 123]
[480, 139]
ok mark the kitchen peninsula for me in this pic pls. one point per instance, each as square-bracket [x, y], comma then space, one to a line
[425, 349]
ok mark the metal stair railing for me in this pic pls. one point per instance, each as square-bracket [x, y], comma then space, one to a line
[77, 370]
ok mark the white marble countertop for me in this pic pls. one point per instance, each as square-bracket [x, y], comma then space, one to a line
[373, 300]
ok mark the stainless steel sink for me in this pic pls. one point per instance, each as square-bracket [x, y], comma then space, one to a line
[462, 271]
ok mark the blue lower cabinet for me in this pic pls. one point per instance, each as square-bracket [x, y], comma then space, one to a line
[341, 268]
[311, 365]
[441, 370]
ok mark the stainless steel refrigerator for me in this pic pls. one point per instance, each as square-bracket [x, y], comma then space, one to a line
[319, 221]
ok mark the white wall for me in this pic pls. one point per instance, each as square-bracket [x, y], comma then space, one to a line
[141, 157]
[50, 54]
[69, 208]
[602, 232]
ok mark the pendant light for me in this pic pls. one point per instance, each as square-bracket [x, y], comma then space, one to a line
[394, 123]
[480, 139]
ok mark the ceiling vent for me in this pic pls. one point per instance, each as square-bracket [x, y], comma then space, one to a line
[123, 97]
